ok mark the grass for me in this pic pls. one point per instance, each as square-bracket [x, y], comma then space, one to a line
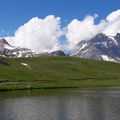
[57, 72]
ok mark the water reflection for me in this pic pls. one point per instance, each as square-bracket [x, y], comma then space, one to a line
[61, 105]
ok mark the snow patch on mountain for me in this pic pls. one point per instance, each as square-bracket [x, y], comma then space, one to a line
[81, 48]
[26, 65]
[106, 58]
[114, 40]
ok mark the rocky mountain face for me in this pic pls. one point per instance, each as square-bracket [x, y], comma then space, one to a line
[11, 51]
[57, 53]
[101, 47]
[54, 53]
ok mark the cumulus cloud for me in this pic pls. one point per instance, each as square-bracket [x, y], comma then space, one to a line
[82, 30]
[39, 35]
[86, 29]
[112, 23]
[43, 35]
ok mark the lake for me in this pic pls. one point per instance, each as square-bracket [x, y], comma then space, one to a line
[98, 104]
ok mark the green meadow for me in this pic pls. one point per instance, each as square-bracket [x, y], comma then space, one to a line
[57, 72]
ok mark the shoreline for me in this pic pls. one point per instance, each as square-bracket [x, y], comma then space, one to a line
[62, 88]
[85, 84]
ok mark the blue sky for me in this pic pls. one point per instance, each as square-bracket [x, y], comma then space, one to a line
[14, 13]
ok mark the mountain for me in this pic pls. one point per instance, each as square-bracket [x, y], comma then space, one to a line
[11, 51]
[100, 47]
[54, 53]
[57, 53]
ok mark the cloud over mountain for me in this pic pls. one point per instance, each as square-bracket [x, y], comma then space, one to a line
[82, 30]
[79, 30]
[42, 35]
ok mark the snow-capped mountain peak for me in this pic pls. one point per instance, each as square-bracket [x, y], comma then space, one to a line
[100, 47]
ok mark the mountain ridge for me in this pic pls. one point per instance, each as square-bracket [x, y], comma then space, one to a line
[8, 50]
[100, 47]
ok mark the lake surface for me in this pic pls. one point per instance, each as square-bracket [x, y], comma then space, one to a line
[100, 104]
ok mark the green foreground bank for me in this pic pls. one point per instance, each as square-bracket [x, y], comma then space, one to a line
[57, 72]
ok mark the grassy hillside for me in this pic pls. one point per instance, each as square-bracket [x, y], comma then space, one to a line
[54, 72]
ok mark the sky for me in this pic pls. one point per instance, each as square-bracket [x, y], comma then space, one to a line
[65, 15]
[14, 13]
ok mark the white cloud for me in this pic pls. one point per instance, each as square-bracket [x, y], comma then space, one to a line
[39, 35]
[86, 29]
[42, 35]
[113, 16]
[112, 23]
[82, 30]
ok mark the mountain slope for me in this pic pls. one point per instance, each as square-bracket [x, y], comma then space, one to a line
[59, 72]
[101, 47]
[58, 68]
